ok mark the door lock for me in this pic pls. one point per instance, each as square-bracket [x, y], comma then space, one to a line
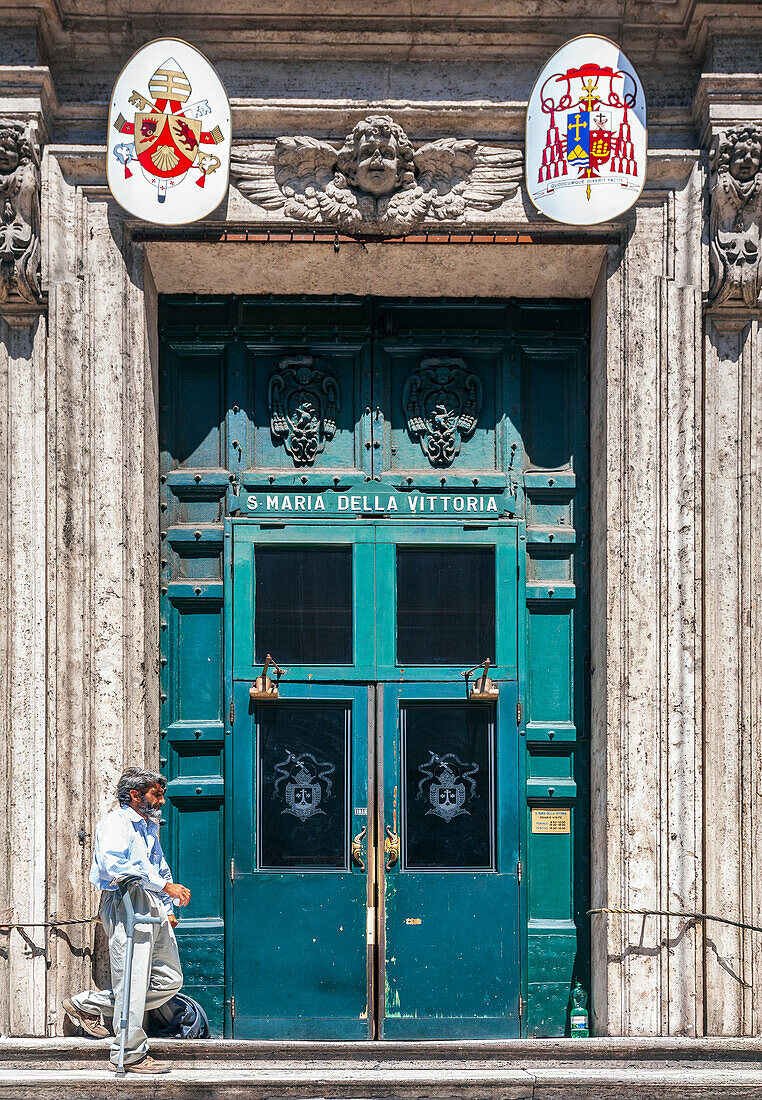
[391, 847]
[483, 690]
[263, 690]
[357, 852]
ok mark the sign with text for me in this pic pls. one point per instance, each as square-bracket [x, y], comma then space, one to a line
[383, 503]
[550, 821]
[586, 135]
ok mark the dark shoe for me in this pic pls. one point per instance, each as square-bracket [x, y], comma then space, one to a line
[91, 1024]
[145, 1065]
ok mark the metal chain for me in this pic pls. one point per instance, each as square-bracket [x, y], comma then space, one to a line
[669, 913]
[4, 927]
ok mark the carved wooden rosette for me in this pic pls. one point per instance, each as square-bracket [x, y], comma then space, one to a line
[736, 216]
[20, 293]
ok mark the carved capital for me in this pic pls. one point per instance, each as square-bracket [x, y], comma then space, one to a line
[735, 160]
[20, 294]
[376, 182]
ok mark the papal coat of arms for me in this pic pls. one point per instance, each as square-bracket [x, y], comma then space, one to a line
[169, 149]
[586, 134]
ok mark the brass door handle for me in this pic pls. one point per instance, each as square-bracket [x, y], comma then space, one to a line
[357, 852]
[391, 847]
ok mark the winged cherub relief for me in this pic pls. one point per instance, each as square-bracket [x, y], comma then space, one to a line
[377, 182]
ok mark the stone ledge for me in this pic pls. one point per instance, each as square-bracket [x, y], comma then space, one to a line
[640, 1050]
[519, 1082]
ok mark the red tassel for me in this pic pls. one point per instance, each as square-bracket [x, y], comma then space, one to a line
[127, 173]
[201, 180]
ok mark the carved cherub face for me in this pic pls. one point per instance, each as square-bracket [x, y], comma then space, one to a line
[377, 157]
[9, 152]
[377, 161]
[746, 158]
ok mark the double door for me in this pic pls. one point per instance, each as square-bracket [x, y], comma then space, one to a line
[374, 804]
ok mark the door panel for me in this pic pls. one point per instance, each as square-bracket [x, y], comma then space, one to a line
[451, 932]
[313, 582]
[443, 590]
[314, 955]
[299, 918]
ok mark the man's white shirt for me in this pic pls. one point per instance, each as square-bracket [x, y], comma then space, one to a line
[127, 844]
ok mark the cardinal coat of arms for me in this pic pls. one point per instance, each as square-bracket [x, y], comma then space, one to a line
[586, 134]
[169, 149]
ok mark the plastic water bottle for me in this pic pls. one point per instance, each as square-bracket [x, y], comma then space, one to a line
[580, 1028]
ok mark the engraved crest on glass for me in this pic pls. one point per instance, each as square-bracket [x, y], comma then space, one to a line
[450, 785]
[303, 782]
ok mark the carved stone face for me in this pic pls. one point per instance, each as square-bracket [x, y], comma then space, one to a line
[745, 160]
[377, 161]
[9, 154]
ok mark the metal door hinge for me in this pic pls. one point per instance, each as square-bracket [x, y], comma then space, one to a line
[519, 870]
[519, 713]
[232, 870]
[521, 1005]
[232, 1007]
[231, 713]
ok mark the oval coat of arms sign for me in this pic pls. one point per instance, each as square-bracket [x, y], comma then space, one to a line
[586, 136]
[169, 135]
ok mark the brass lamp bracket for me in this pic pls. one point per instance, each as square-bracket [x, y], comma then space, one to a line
[264, 690]
[483, 690]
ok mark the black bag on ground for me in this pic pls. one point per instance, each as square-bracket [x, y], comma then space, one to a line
[179, 1018]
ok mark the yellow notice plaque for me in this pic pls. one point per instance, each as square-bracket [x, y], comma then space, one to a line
[551, 821]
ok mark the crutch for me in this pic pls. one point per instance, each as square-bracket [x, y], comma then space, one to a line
[131, 919]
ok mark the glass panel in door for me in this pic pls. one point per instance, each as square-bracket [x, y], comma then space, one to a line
[300, 795]
[451, 896]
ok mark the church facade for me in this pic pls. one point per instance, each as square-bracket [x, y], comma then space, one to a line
[408, 532]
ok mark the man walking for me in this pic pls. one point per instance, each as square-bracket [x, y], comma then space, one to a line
[127, 843]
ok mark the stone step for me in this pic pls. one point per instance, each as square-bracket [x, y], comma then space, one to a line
[549, 1069]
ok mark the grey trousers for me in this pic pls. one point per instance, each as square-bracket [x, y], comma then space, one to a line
[156, 971]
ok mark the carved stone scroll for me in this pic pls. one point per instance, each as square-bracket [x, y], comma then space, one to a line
[442, 400]
[304, 404]
[19, 217]
[736, 216]
[377, 182]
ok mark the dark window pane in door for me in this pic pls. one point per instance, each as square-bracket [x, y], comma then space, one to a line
[447, 750]
[302, 788]
[445, 606]
[303, 605]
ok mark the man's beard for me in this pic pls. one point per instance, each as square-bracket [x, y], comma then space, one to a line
[153, 812]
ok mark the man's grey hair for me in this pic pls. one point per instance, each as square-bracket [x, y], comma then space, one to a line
[137, 779]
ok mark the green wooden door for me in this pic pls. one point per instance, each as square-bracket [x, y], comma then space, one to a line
[337, 932]
[384, 379]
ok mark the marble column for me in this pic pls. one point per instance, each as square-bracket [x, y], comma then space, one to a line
[646, 614]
